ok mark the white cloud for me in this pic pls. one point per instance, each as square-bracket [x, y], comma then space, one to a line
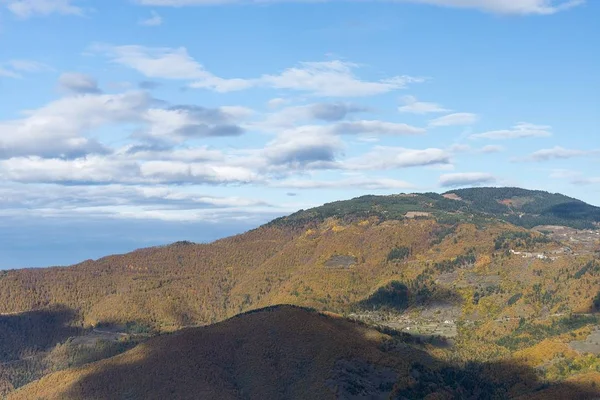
[92, 169]
[120, 201]
[123, 170]
[28, 8]
[194, 154]
[154, 20]
[155, 62]
[413, 106]
[178, 124]
[328, 78]
[277, 102]
[368, 127]
[519, 131]
[289, 117]
[62, 128]
[303, 148]
[333, 79]
[182, 172]
[169, 63]
[522, 7]
[466, 179]
[385, 158]
[67, 127]
[456, 119]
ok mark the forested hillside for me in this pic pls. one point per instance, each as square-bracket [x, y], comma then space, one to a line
[527, 208]
[491, 291]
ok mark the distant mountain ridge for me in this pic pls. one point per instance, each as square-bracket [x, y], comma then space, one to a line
[521, 207]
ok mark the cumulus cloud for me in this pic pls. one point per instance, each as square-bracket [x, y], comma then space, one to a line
[519, 131]
[303, 149]
[522, 7]
[62, 128]
[68, 127]
[414, 106]
[466, 179]
[327, 78]
[73, 82]
[29, 8]
[456, 119]
[154, 20]
[179, 123]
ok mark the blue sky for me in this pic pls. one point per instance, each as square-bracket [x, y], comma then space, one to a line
[128, 123]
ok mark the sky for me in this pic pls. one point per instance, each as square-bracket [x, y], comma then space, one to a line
[131, 123]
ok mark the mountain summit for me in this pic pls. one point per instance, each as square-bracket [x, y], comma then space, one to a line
[521, 207]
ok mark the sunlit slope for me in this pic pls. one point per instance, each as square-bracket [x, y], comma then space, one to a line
[332, 260]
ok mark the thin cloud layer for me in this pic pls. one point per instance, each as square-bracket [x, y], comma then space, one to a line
[559, 153]
[154, 20]
[324, 78]
[456, 119]
[414, 106]
[29, 8]
[522, 7]
[519, 131]
[17, 69]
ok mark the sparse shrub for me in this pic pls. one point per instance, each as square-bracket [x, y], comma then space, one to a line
[398, 253]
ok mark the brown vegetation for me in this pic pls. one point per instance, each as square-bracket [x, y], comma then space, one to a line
[461, 277]
[286, 353]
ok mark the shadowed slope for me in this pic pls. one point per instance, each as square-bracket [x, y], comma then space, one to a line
[284, 352]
